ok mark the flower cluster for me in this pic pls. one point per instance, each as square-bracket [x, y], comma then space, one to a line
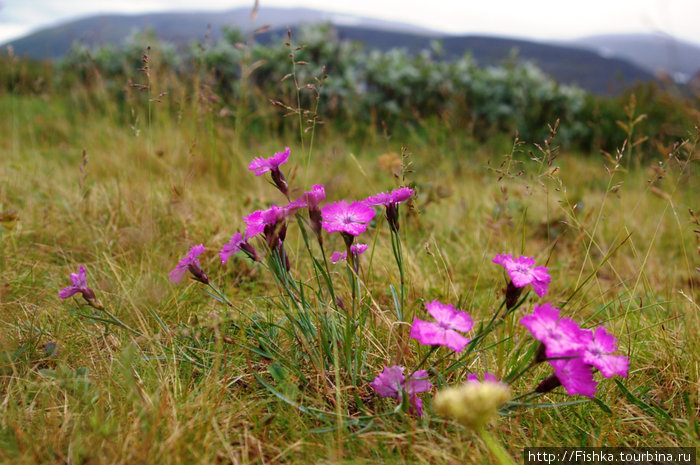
[574, 352]
[348, 218]
[444, 332]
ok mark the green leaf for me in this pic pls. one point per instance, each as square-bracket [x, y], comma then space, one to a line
[399, 313]
[277, 372]
[603, 406]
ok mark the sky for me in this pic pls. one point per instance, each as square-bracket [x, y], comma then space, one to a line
[533, 19]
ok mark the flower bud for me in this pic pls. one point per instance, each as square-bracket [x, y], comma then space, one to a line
[280, 181]
[548, 384]
[198, 273]
[512, 295]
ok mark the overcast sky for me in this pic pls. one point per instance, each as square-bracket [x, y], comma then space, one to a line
[537, 19]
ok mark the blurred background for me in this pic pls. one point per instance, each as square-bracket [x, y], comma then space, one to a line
[653, 36]
[490, 69]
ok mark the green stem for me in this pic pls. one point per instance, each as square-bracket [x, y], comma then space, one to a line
[484, 332]
[425, 358]
[398, 255]
[523, 396]
[522, 372]
[121, 324]
[220, 294]
[502, 456]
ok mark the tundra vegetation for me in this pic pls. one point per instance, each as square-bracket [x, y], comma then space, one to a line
[308, 252]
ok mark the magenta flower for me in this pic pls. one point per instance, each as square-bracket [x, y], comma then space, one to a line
[596, 352]
[263, 221]
[488, 377]
[310, 199]
[356, 250]
[230, 248]
[390, 200]
[522, 271]
[393, 197]
[237, 243]
[79, 284]
[576, 352]
[561, 336]
[262, 165]
[190, 263]
[576, 376]
[444, 332]
[391, 382]
[346, 218]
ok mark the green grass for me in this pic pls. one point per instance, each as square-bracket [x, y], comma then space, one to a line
[155, 184]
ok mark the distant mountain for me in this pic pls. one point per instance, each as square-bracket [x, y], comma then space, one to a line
[654, 53]
[571, 65]
[181, 27]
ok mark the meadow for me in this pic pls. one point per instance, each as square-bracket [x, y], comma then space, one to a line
[273, 360]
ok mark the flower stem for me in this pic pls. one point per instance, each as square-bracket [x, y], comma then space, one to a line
[398, 256]
[495, 447]
[220, 294]
[425, 358]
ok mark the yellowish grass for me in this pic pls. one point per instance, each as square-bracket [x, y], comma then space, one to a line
[144, 197]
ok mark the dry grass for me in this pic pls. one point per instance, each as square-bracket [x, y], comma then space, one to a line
[141, 200]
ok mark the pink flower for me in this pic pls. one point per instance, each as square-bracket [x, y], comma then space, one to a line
[78, 284]
[522, 271]
[576, 351]
[444, 332]
[259, 220]
[310, 199]
[391, 382]
[390, 200]
[561, 336]
[346, 218]
[393, 197]
[262, 165]
[488, 377]
[576, 376]
[234, 245]
[596, 352]
[190, 263]
[356, 249]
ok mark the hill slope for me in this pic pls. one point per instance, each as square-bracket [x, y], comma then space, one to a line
[654, 53]
[180, 27]
[570, 65]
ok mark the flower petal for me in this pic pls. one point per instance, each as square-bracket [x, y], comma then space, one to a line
[576, 376]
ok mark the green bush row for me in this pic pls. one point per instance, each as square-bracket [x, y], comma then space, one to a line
[392, 90]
